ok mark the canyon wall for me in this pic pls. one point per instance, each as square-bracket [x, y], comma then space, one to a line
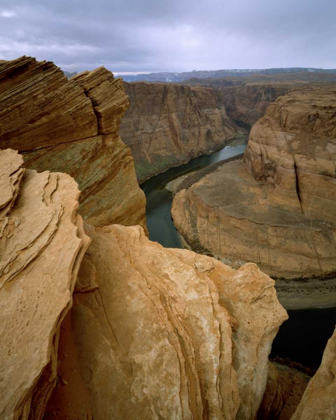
[246, 104]
[72, 126]
[167, 125]
[42, 243]
[277, 208]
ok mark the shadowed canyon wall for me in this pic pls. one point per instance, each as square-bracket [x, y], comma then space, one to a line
[167, 125]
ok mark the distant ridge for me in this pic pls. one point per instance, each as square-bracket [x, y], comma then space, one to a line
[206, 74]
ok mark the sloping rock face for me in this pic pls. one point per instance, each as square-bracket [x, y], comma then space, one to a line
[167, 125]
[278, 208]
[72, 126]
[248, 103]
[167, 333]
[319, 399]
[42, 243]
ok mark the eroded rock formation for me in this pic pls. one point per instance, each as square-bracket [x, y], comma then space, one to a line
[167, 125]
[72, 126]
[166, 333]
[277, 208]
[319, 399]
[42, 243]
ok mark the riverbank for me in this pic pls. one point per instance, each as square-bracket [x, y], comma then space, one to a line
[303, 294]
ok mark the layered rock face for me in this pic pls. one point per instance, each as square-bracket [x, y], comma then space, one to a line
[72, 126]
[248, 103]
[166, 333]
[42, 243]
[167, 125]
[319, 399]
[278, 208]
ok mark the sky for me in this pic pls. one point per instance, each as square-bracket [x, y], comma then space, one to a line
[170, 35]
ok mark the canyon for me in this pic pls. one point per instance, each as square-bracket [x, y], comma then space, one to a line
[276, 207]
[97, 320]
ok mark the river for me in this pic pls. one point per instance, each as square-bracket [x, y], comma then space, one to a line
[304, 336]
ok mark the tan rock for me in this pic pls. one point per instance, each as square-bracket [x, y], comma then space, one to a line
[283, 217]
[319, 399]
[169, 124]
[169, 333]
[72, 126]
[42, 242]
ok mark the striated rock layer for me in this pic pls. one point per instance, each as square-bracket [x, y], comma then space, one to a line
[42, 243]
[167, 333]
[167, 125]
[319, 399]
[278, 208]
[72, 126]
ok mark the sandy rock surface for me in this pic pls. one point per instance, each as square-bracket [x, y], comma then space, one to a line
[169, 333]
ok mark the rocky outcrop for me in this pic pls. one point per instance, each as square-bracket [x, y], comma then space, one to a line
[167, 125]
[167, 333]
[42, 243]
[278, 208]
[72, 126]
[319, 399]
[246, 104]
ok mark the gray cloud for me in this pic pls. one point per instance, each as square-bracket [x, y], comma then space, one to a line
[170, 35]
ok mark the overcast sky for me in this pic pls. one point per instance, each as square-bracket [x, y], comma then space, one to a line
[170, 35]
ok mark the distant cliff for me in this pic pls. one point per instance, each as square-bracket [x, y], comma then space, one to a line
[208, 74]
[167, 125]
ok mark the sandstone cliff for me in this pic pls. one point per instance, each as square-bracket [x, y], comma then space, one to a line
[72, 126]
[42, 243]
[319, 399]
[164, 333]
[281, 217]
[167, 125]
